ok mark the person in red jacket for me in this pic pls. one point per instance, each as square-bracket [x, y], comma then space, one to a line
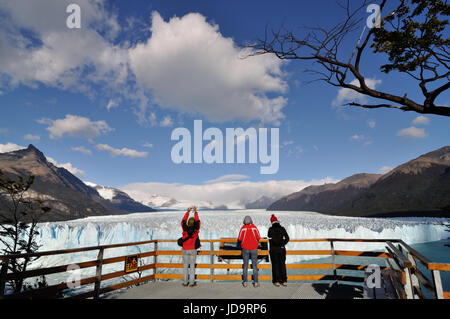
[249, 239]
[191, 243]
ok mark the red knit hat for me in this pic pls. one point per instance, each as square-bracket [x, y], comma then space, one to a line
[273, 218]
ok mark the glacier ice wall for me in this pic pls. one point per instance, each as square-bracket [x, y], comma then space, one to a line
[93, 231]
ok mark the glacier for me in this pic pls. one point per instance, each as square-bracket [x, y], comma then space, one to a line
[215, 224]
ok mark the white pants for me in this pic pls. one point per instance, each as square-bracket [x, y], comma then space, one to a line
[189, 257]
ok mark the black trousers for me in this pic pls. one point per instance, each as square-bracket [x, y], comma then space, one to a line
[278, 259]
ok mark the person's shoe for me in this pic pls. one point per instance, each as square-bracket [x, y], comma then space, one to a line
[193, 285]
[185, 285]
[284, 284]
[256, 284]
[244, 284]
[277, 284]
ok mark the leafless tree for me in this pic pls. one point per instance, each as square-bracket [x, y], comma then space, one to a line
[412, 35]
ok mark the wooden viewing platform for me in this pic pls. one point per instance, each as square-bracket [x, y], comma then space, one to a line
[401, 277]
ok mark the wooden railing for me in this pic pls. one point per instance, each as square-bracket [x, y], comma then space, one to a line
[401, 270]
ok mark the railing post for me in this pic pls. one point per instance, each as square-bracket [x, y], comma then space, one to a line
[211, 265]
[438, 284]
[408, 284]
[414, 280]
[3, 274]
[155, 258]
[98, 273]
[333, 260]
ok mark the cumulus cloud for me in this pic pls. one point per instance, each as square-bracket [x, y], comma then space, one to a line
[75, 126]
[349, 95]
[82, 149]
[121, 152]
[68, 166]
[186, 64]
[412, 132]
[421, 120]
[10, 147]
[234, 194]
[37, 47]
[189, 66]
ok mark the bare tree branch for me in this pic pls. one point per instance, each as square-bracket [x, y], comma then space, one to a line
[324, 48]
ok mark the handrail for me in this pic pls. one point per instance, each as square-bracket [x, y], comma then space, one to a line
[392, 252]
[74, 250]
[230, 240]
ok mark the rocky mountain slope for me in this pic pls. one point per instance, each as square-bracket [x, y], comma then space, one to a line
[67, 195]
[418, 187]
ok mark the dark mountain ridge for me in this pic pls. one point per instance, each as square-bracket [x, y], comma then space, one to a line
[67, 195]
[420, 187]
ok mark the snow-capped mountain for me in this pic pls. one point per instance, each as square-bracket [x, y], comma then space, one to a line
[161, 201]
[66, 195]
[120, 199]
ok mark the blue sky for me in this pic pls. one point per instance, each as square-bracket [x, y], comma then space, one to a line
[103, 100]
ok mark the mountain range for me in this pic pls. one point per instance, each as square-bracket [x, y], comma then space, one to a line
[68, 196]
[420, 187]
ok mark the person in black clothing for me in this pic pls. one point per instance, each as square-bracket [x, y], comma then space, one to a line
[278, 238]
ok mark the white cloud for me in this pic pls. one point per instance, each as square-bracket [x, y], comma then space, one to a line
[385, 169]
[32, 137]
[228, 178]
[112, 104]
[360, 138]
[75, 126]
[286, 143]
[68, 166]
[56, 56]
[188, 66]
[123, 151]
[371, 123]
[296, 150]
[357, 137]
[421, 120]
[148, 144]
[82, 149]
[10, 147]
[167, 121]
[152, 119]
[345, 95]
[412, 132]
[233, 194]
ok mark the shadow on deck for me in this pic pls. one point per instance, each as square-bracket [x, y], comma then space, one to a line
[234, 290]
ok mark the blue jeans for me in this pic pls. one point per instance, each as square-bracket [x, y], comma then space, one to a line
[246, 255]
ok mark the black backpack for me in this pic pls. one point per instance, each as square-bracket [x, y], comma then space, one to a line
[190, 230]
